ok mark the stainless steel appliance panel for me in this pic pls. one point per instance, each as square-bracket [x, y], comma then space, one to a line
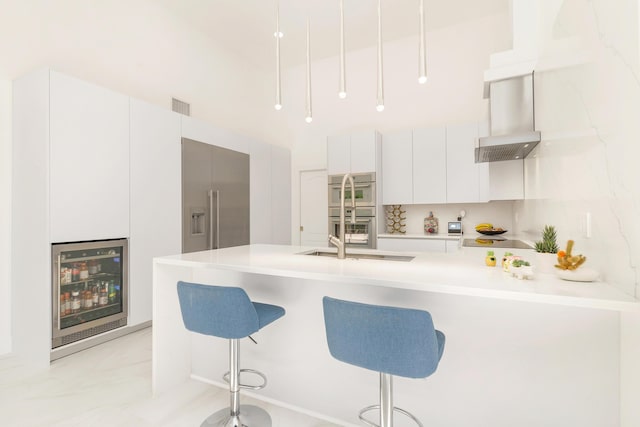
[215, 197]
[365, 189]
[362, 234]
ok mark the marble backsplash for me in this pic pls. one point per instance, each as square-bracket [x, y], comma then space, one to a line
[584, 176]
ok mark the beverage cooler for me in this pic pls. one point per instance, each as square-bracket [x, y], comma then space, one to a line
[90, 289]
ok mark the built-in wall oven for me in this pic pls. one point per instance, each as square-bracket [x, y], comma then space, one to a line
[363, 233]
[365, 190]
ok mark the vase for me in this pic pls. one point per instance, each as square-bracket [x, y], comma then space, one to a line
[544, 262]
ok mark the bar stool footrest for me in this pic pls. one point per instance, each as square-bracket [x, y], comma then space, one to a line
[396, 409]
[225, 377]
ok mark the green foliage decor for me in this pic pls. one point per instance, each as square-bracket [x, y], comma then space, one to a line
[548, 243]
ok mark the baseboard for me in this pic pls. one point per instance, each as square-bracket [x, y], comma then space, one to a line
[77, 346]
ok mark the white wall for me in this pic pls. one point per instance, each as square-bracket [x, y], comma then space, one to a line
[587, 162]
[5, 216]
[457, 57]
[139, 48]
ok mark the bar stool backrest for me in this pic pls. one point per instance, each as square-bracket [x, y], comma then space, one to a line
[391, 340]
[220, 311]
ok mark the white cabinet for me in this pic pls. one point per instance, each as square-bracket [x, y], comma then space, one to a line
[467, 181]
[362, 152]
[70, 182]
[260, 192]
[89, 161]
[270, 194]
[506, 180]
[354, 153]
[397, 168]
[155, 210]
[338, 154]
[437, 165]
[414, 168]
[429, 166]
[453, 245]
[411, 245]
[280, 196]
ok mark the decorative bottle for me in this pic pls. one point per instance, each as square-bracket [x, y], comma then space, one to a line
[431, 224]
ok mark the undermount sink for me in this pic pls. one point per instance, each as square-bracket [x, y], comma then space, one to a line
[380, 257]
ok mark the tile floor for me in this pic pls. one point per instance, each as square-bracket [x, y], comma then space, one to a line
[110, 385]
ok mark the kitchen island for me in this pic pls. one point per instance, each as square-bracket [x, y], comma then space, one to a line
[527, 353]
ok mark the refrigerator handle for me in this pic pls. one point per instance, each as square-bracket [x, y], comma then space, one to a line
[214, 243]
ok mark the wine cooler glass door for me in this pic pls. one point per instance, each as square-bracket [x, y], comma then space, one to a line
[90, 287]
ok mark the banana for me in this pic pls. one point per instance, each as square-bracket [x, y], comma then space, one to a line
[484, 226]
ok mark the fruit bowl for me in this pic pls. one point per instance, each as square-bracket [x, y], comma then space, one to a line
[491, 232]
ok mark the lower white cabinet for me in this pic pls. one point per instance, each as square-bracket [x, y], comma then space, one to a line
[453, 245]
[411, 245]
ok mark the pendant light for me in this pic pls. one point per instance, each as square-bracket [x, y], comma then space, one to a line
[308, 117]
[342, 93]
[278, 35]
[422, 57]
[380, 97]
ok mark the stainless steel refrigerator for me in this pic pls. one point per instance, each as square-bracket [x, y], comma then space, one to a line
[215, 197]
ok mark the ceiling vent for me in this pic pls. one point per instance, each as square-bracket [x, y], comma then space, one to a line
[180, 107]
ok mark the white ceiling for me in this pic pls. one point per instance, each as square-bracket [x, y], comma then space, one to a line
[218, 55]
[246, 27]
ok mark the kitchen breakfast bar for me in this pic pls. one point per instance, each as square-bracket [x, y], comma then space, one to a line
[519, 352]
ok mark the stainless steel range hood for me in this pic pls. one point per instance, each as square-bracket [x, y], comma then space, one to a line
[512, 118]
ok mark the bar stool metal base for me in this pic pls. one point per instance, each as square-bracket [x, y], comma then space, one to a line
[248, 416]
[395, 409]
[386, 405]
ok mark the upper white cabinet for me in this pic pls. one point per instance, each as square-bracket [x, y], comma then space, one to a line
[355, 153]
[338, 154]
[397, 169]
[467, 181]
[429, 166]
[155, 212]
[414, 167]
[437, 165]
[89, 161]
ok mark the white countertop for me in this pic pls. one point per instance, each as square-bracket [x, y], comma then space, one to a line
[459, 273]
[418, 236]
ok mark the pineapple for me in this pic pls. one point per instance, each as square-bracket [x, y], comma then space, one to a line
[548, 243]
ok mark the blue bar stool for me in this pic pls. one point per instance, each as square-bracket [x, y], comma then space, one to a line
[227, 312]
[389, 340]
